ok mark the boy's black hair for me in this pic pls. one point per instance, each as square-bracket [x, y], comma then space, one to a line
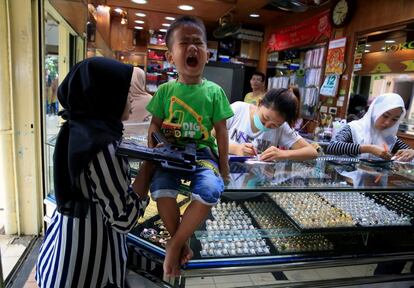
[258, 73]
[284, 102]
[184, 20]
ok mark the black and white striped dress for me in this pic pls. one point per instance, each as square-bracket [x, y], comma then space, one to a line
[92, 252]
[343, 144]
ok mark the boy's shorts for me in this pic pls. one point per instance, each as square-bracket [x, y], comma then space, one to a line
[206, 185]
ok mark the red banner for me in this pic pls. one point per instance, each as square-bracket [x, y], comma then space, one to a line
[306, 32]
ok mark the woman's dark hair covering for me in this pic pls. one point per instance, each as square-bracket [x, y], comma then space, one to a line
[93, 96]
[283, 101]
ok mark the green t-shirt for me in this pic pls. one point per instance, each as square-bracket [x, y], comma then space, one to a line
[190, 111]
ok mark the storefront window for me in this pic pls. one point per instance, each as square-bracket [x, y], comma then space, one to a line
[50, 101]
[383, 63]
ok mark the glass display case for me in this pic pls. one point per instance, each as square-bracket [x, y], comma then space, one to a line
[329, 212]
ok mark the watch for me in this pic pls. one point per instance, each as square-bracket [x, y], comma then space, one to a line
[341, 12]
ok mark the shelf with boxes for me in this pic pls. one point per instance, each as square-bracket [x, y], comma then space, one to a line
[158, 69]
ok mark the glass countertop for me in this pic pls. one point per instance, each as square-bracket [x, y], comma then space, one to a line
[324, 173]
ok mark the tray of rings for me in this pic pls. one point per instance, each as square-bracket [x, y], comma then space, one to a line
[341, 212]
[253, 227]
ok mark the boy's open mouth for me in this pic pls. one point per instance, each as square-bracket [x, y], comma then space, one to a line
[192, 61]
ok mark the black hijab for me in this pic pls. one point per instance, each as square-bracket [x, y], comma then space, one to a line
[93, 96]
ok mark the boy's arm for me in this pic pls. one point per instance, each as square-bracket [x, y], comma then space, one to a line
[155, 126]
[144, 176]
[223, 147]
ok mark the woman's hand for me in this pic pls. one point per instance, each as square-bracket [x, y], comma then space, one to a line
[272, 153]
[246, 149]
[404, 155]
[377, 151]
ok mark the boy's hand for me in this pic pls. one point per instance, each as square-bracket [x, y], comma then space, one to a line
[225, 172]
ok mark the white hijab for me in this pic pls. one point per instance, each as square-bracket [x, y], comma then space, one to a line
[364, 131]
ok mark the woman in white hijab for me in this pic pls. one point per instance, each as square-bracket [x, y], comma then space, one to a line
[139, 97]
[376, 132]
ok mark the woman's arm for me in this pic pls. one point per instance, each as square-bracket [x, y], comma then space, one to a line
[343, 144]
[223, 147]
[300, 150]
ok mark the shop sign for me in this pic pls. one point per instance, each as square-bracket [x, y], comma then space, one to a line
[399, 46]
[306, 32]
[401, 61]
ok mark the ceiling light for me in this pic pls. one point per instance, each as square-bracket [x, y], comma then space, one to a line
[382, 48]
[163, 30]
[389, 41]
[170, 18]
[254, 15]
[166, 24]
[139, 21]
[102, 8]
[140, 14]
[139, 1]
[186, 7]
[367, 51]
[138, 27]
[367, 45]
[119, 10]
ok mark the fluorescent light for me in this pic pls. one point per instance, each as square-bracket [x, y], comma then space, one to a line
[389, 41]
[102, 8]
[186, 7]
[139, 27]
[382, 48]
[119, 10]
[166, 24]
[163, 30]
[140, 1]
[367, 51]
[367, 45]
[170, 18]
[140, 14]
[254, 15]
[139, 21]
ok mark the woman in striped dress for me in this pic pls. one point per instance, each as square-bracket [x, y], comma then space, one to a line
[375, 133]
[85, 244]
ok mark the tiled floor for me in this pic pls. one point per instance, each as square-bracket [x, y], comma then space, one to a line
[260, 279]
[12, 248]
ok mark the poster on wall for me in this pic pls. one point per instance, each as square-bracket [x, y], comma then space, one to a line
[330, 85]
[335, 57]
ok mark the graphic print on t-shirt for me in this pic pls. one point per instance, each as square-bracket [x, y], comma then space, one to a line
[242, 137]
[183, 122]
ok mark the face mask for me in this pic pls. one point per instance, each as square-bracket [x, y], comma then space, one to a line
[259, 125]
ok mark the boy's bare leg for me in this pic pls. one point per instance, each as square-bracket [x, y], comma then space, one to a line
[195, 213]
[143, 179]
[170, 216]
